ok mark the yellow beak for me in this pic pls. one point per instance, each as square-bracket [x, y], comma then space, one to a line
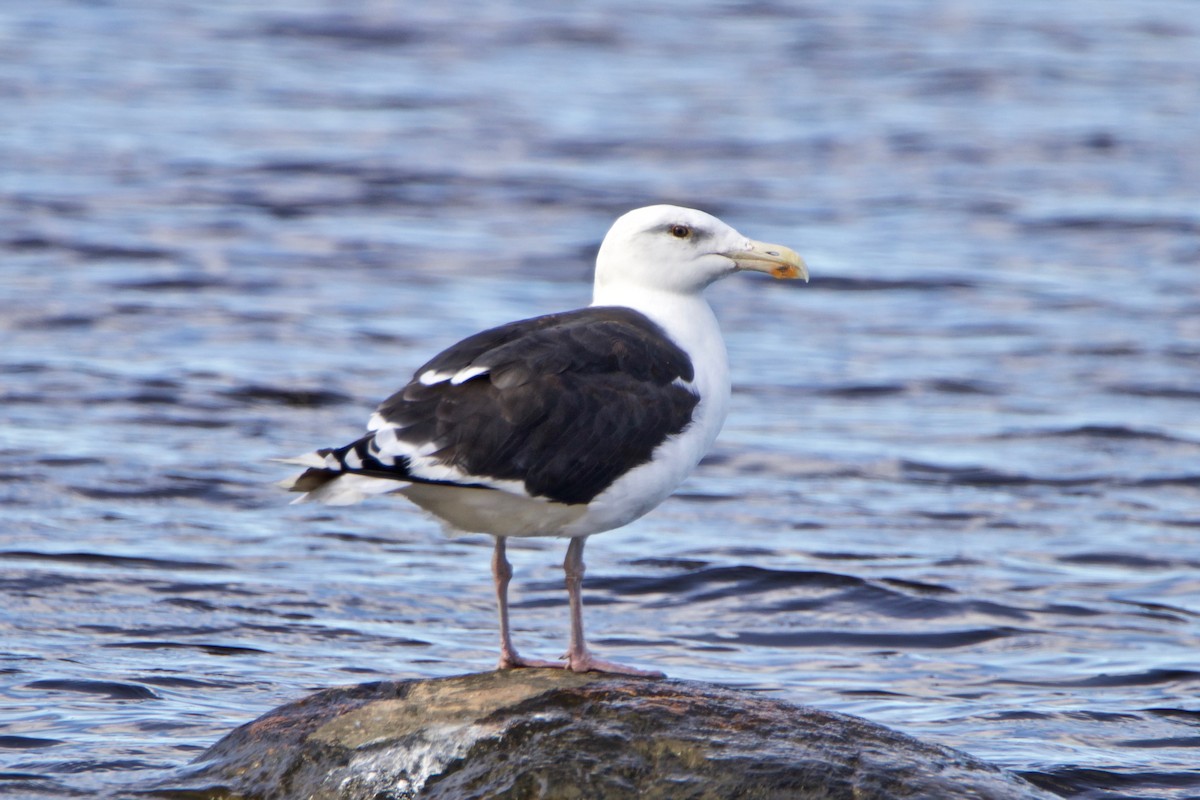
[773, 259]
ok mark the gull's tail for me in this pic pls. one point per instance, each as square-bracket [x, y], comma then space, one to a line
[342, 476]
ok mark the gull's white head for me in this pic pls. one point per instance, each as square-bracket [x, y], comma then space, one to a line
[682, 250]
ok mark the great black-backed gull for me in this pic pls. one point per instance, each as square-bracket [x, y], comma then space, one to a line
[566, 424]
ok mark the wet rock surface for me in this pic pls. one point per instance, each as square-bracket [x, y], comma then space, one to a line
[551, 734]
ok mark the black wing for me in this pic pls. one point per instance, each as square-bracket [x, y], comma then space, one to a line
[568, 403]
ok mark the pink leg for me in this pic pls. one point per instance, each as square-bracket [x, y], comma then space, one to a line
[579, 659]
[502, 574]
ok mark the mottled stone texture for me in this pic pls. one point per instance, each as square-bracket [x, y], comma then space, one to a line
[556, 735]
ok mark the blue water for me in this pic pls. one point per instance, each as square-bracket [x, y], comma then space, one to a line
[959, 489]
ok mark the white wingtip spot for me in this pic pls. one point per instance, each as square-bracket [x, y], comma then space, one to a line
[306, 460]
[464, 375]
[430, 377]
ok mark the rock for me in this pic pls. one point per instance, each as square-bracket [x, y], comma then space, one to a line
[551, 734]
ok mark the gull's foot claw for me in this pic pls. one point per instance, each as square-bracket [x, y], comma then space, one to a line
[586, 662]
[515, 661]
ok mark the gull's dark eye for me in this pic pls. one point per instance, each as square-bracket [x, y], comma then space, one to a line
[681, 231]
